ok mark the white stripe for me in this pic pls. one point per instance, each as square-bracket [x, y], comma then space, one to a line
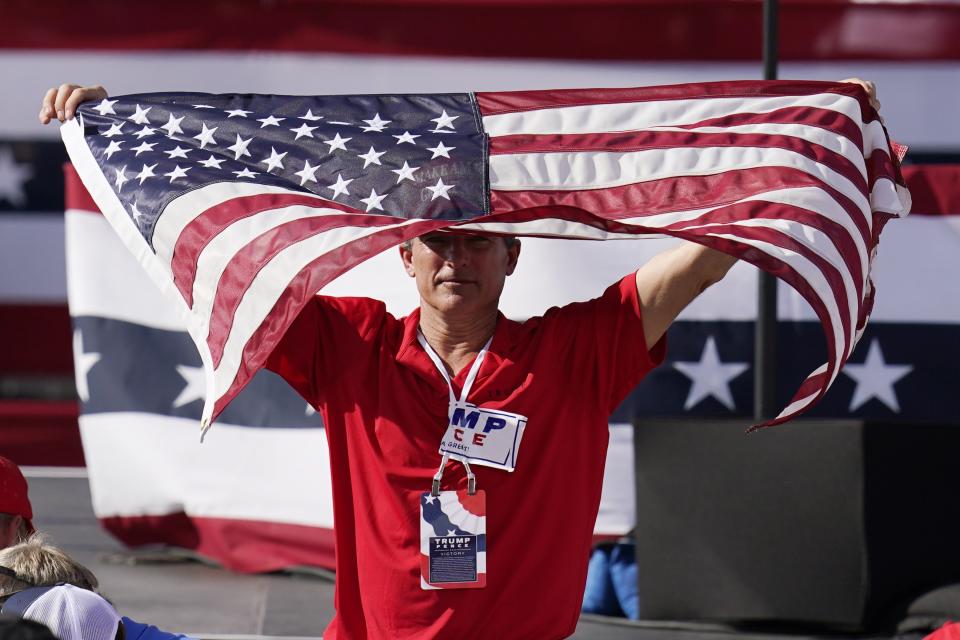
[249, 473]
[799, 405]
[269, 284]
[574, 171]
[181, 212]
[213, 260]
[633, 116]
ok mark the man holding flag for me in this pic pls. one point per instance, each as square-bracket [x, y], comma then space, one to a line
[476, 537]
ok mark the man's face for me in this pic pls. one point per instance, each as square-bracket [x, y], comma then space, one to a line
[460, 273]
[9, 530]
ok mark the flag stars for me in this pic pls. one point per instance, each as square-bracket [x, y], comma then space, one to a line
[178, 172]
[206, 135]
[303, 131]
[308, 173]
[444, 121]
[179, 152]
[140, 115]
[106, 107]
[146, 131]
[202, 106]
[112, 148]
[407, 137]
[173, 126]
[440, 190]
[337, 143]
[144, 148]
[371, 157]
[115, 129]
[309, 116]
[146, 172]
[340, 186]
[121, 177]
[213, 162]
[440, 151]
[405, 172]
[237, 113]
[376, 124]
[275, 161]
[245, 173]
[239, 147]
[270, 121]
[136, 214]
[373, 201]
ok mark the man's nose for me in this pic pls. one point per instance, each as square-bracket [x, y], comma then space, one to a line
[456, 251]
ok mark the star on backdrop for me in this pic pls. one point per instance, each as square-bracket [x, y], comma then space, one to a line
[710, 377]
[875, 379]
[13, 176]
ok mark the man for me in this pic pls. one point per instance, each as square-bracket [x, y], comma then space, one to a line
[15, 510]
[505, 553]
[70, 612]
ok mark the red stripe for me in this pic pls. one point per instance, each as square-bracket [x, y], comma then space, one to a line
[37, 432]
[626, 141]
[311, 279]
[244, 266]
[674, 194]
[935, 189]
[75, 194]
[205, 227]
[248, 546]
[561, 29]
[495, 103]
[37, 340]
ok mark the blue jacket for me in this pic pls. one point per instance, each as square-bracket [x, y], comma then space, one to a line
[138, 631]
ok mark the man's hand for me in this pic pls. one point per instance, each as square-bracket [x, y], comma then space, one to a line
[870, 88]
[61, 103]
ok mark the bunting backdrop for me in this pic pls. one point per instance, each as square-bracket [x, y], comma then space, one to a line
[901, 371]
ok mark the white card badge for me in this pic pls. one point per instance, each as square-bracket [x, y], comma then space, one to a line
[483, 436]
[453, 540]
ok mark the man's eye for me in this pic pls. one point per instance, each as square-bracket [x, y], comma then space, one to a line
[478, 241]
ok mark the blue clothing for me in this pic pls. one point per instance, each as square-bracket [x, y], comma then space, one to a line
[139, 631]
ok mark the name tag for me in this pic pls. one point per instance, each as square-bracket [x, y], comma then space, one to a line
[453, 540]
[483, 436]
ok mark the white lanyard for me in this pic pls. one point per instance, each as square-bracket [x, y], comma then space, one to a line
[467, 385]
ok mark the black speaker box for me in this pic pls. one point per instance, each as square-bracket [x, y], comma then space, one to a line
[834, 524]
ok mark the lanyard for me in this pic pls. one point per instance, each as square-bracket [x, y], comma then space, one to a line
[467, 385]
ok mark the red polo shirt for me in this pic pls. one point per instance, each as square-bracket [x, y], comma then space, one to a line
[384, 405]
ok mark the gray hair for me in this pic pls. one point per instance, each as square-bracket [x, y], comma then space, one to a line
[507, 240]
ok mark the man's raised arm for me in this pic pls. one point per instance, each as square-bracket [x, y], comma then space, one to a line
[670, 281]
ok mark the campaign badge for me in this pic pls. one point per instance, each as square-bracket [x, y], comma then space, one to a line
[483, 436]
[453, 540]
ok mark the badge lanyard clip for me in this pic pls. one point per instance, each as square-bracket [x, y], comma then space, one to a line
[468, 383]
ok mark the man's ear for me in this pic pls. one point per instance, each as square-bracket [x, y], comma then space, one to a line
[406, 255]
[513, 255]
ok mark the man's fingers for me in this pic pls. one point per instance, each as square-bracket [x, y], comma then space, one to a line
[870, 88]
[82, 95]
[47, 112]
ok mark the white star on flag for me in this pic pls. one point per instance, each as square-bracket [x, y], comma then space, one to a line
[405, 172]
[136, 213]
[212, 162]
[407, 137]
[179, 152]
[337, 143]
[146, 172]
[340, 186]
[444, 121]
[440, 151]
[239, 147]
[875, 379]
[82, 363]
[196, 385]
[373, 202]
[710, 376]
[13, 176]
[308, 173]
[143, 148]
[270, 121]
[440, 190]
[173, 125]
[106, 107]
[179, 172]
[239, 113]
[371, 157]
[303, 131]
[244, 173]
[146, 131]
[376, 124]
[140, 116]
[309, 116]
[112, 148]
[121, 177]
[274, 161]
[115, 129]
[206, 135]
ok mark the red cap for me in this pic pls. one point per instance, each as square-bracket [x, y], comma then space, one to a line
[13, 491]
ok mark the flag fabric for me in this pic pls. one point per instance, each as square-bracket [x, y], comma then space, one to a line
[246, 205]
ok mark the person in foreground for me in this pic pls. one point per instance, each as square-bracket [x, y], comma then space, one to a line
[492, 538]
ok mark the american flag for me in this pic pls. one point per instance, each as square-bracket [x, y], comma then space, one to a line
[246, 205]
